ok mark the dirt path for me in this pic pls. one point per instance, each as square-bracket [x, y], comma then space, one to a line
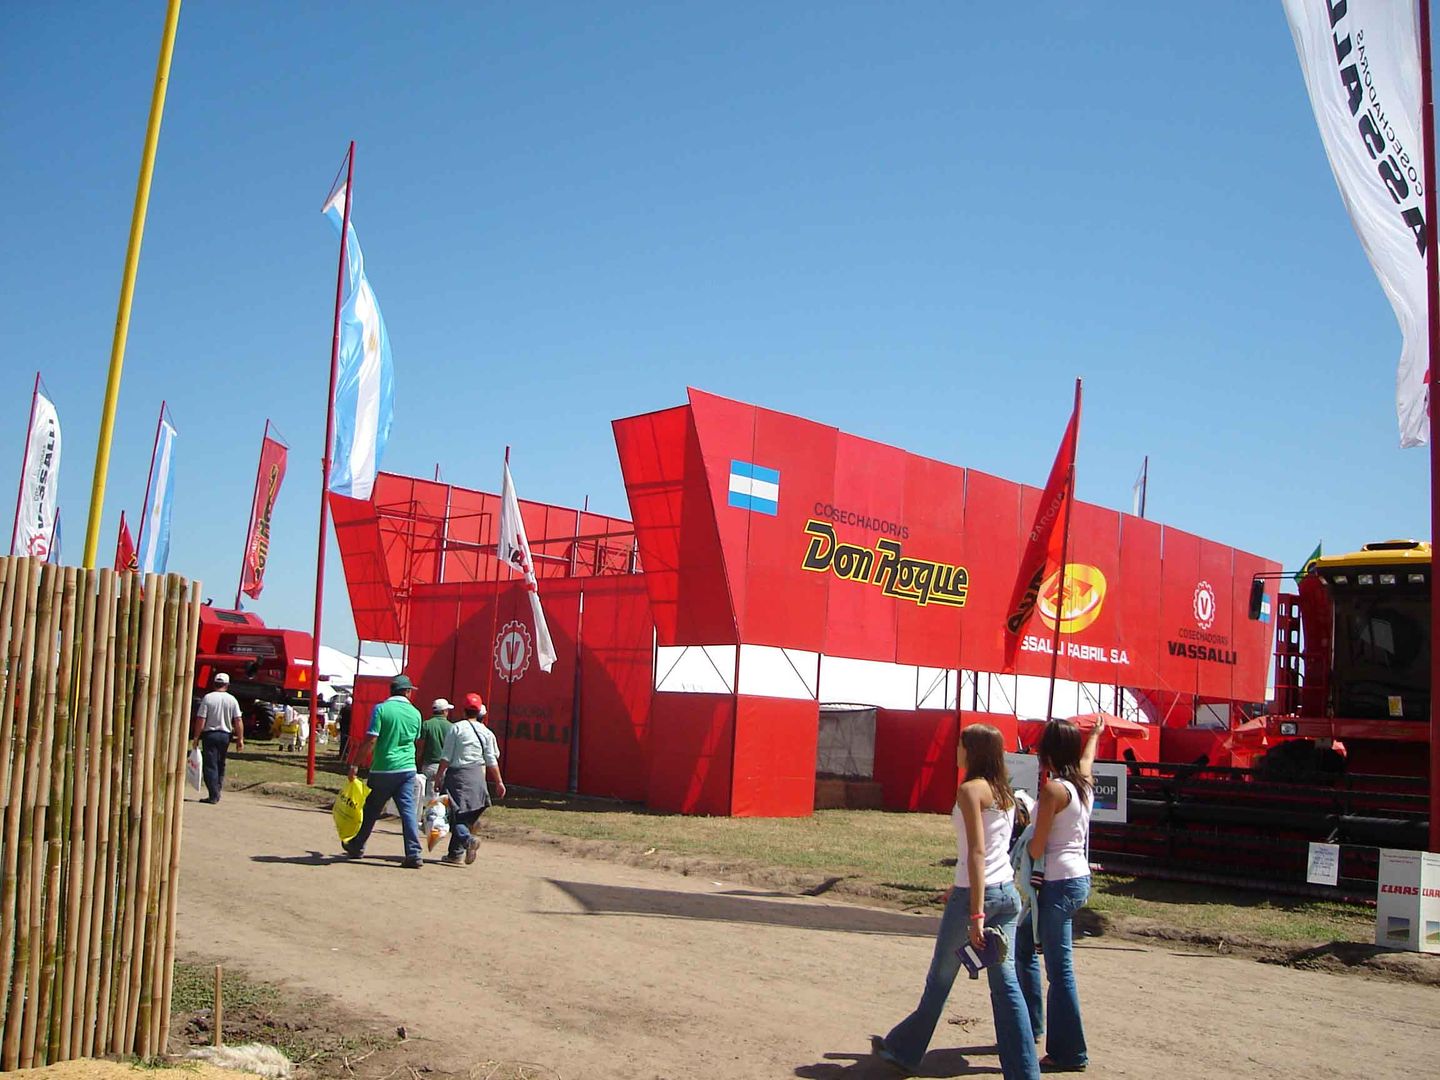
[597, 970]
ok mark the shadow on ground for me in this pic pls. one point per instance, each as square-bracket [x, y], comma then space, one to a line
[597, 899]
[864, 1066]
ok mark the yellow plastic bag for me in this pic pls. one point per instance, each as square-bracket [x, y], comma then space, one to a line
[349, 809]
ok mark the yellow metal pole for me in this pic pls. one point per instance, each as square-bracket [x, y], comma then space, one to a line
[127, 285]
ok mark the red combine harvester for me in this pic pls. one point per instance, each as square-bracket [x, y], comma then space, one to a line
[267, 666]
[1340, 757]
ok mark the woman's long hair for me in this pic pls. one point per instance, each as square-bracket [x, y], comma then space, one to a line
[1059, 751]
[985, 760]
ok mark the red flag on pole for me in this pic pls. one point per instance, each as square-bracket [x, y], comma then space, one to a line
[1045, 548]
[268, 478]
[125, 558]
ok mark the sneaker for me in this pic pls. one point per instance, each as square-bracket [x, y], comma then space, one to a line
[413, 864]
[350, 850]
[452, 860]
[209, 801]
[472, 849]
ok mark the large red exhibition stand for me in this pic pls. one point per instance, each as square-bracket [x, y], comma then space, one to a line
[751, 527]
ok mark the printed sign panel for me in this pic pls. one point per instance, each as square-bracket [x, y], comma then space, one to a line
[1111, 794]
[1323, 865]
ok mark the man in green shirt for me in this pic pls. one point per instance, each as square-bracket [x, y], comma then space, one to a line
[432, 742]
[391, 743]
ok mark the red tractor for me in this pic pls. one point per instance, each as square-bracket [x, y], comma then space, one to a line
[268, 667]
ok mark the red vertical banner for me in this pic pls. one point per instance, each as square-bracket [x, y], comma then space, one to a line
[268, 478]
[1044, 556]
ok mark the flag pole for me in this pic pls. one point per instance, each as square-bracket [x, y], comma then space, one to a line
[325, 470]
[127, 285]
[495, 597]
[1432, 296]
[244, 555]
[149, 478]
[1064, 557]
[1144, 483]
[24, 463]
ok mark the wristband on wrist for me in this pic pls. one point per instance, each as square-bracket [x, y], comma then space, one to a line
[978, 917]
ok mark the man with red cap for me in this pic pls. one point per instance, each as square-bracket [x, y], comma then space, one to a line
[470, 755]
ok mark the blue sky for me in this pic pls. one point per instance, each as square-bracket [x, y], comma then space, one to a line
[916, 222]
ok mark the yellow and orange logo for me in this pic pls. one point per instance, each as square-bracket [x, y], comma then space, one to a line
[1084, 591]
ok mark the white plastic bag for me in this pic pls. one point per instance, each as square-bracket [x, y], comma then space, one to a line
[192, 769]
[436, 825]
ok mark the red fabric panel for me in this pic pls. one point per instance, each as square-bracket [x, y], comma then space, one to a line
[370, 690]
[1033, 656]
[1091, 652]
[915, 758]
[1254, 640]
[691, 738]
[1215, 673]
[991, 554]
[680, 550]
[372, 602]
[470, 529]
[775, 747]
[1007, 724]
[862, 620]
[431, 658]
[786, 606]
[724, 432]
[615, 689]
[1179, 577]
[533, 716]
[1134, 600]
[935, 517]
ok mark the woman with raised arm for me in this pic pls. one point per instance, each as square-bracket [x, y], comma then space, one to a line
[983, 896]
[1062, 837]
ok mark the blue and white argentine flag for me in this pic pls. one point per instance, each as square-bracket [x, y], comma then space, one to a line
[754, 487]
[155, 520]
[365, 385]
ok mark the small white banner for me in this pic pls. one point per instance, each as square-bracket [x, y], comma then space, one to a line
[1323, 867]
[35, 525]
[1361, 62]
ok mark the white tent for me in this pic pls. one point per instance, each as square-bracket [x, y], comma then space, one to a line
[338, 669]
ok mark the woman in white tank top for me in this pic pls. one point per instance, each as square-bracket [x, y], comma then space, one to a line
[1062, 839]
[983, 895]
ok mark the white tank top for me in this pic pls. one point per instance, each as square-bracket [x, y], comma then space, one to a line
[998, 825]
[1067, 848]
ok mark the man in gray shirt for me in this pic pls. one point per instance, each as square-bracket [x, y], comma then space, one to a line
[217, 720]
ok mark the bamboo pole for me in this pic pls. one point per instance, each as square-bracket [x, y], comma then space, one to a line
[57, 707]
[175, 713]
[93, 1025]
[123, 678]
[13, 613]
[32, 888]
[26, 781]
[9, 572]
[184, 682]
[217, 1037]
[16, 715]
[156, 810]
[95, 810]
[122, 1030]
[81, 843]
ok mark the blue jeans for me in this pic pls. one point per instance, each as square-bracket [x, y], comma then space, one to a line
[909, 1039]
[214, 745]
[1065, 1038]
[385, 786]
[460, 831]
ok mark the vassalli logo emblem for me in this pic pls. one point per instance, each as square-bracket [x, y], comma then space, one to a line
[1084, 597]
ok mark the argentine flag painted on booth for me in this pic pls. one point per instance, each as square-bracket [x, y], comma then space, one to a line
[754, 487]
[365, 384]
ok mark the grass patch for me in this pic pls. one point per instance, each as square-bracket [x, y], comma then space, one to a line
[264, 763]
[195, 990]
[257, 1011]
[912, 855]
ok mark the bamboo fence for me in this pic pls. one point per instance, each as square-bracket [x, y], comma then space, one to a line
[96, 670]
